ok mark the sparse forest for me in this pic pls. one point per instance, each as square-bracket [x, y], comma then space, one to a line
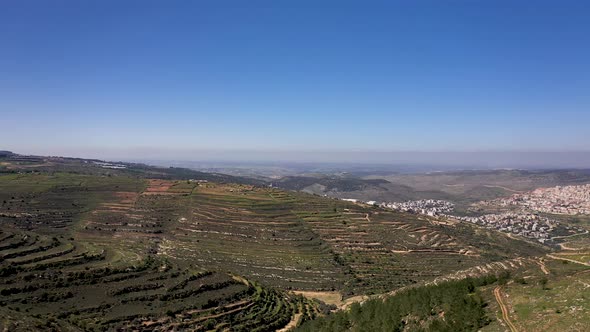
[451, 306]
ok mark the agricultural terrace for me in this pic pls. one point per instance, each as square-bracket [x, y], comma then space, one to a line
[59, 284]
[299, 241]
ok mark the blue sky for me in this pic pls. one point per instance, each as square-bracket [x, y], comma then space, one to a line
[126, 77]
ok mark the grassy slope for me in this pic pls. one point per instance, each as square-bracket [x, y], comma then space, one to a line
[562, 305]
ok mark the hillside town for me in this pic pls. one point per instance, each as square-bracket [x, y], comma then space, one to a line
[525, 224]
[430, 207]
[569, 200]
[110, 165]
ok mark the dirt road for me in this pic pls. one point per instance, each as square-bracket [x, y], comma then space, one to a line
[567, 259]
[498, 295]
[543, 267]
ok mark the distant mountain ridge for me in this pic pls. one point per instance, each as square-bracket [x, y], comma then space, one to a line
[72, 164]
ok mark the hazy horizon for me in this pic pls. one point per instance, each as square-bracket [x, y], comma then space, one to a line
[452, 159]
[410, 82]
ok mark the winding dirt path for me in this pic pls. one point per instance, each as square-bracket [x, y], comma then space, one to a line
[543, 267]
[567, 259]
[564, 246]
[498, 295]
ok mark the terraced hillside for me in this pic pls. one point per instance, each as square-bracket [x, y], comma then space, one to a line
[49, 201]
[57, 283]
[249, 230]
[100, 249]
[286, 239]
[299, 241]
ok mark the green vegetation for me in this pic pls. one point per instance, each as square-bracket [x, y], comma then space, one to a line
[69, 286]
[557, 301]
[449, 306]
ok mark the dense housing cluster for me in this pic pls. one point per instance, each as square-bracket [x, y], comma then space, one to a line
[527, 225]
[430, 207]
[559, 200]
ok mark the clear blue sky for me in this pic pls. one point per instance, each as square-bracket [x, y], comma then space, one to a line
[79, 77]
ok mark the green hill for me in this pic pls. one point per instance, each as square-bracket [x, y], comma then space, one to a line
[94, 248]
